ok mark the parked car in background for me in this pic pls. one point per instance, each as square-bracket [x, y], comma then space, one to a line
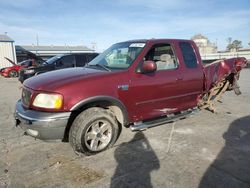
[137, 84]
[58, 62]
[248, 64]
[13, 71]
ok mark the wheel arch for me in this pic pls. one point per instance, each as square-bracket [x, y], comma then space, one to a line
[13, 70]
[115, 105]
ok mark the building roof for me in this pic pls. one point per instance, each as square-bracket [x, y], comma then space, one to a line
[5, 38]
[53, 48]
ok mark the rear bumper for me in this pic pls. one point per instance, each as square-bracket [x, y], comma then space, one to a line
[41, 125]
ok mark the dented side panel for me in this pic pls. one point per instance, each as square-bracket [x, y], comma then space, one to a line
[221, 69]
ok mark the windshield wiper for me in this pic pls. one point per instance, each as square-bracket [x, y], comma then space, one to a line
[102, 66]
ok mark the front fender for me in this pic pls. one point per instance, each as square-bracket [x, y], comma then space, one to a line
[103, 98]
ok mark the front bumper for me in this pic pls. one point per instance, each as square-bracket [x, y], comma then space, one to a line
[41, 125]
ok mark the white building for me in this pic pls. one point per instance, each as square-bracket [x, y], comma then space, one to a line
[7, 49]
[204, 45]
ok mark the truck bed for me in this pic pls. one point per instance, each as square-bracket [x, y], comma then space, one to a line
[219, 70]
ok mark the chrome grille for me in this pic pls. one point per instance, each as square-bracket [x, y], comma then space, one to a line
[26, 96]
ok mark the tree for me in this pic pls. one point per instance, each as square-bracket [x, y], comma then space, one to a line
[229, 40]
[235, 45]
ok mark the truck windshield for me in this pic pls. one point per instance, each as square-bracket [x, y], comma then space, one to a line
[119, 56]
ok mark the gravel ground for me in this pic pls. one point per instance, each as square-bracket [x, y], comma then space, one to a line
[205, 150]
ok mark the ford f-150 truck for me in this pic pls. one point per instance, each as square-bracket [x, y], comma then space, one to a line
[137, 84]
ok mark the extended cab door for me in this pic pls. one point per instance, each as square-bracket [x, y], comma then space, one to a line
[192, 73]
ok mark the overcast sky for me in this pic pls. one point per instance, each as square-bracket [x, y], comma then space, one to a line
[81, 22]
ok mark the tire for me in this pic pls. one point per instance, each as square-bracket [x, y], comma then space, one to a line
[94, 130]
[13, 74]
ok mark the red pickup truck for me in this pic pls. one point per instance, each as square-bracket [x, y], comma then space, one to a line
[137, 84]
[13, 71]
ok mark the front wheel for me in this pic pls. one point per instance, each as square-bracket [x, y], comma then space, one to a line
[93, 131]
[13, 74]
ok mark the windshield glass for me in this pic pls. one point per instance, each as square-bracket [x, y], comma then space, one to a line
[119, 56]
[53, 59]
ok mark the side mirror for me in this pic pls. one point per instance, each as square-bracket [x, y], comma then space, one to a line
[148, 67]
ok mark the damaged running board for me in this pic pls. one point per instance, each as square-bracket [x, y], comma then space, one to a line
[140, 126]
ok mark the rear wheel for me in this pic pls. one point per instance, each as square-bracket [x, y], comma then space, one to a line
[93, 131]
[13, 73]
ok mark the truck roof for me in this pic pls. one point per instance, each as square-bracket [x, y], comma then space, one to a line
[155, 40]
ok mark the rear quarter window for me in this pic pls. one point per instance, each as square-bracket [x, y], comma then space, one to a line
[188, 54]
[81, 60]
[66, 61]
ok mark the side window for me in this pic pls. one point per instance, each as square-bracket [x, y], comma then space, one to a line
[188, 55]
[80, 60]
[90, 57]
[66, 61]
[163, 56]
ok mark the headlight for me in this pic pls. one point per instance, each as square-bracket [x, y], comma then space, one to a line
[29, 71]
[50, 101]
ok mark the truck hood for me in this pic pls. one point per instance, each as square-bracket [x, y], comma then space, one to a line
[53, 80]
